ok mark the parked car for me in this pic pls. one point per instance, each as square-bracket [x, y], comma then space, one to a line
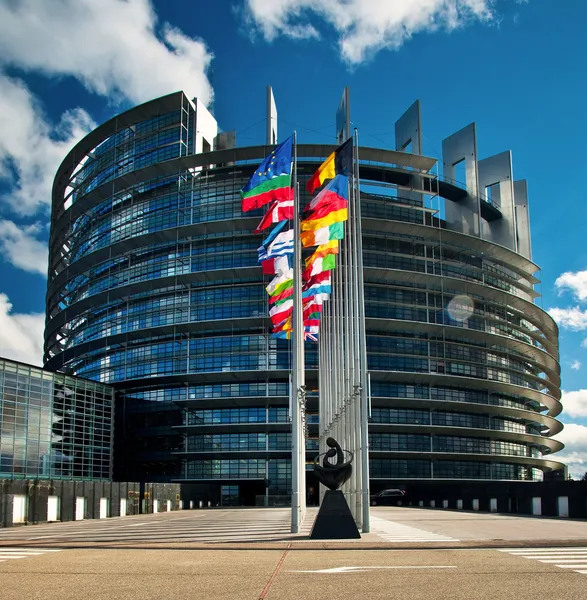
[388, 498]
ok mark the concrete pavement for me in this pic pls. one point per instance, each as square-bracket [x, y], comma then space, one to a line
[236, 554]
[210, 574]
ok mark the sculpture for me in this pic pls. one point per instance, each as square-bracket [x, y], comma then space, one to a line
[329, 475]
[334, 520]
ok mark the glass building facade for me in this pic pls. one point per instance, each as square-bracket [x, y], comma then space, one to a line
[154, 288]
[54, 426]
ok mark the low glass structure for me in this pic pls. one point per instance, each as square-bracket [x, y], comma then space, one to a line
[154, 288]
[54, 426]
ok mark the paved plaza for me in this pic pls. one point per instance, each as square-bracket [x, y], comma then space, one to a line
[249, 554]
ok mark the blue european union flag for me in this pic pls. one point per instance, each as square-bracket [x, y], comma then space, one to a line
[277, 163]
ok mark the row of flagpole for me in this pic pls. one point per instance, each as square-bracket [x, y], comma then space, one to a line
[298, 389]
[330, 303]
[343, 376]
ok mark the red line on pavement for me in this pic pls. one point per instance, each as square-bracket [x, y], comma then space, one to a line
[264, 592]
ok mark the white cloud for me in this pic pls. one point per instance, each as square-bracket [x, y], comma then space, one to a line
[111, 46]
[364, 26]
[20, 247]
[571, 318]
[575, 403]
[576, 365]
[30, 148]
[21, 335]
[575, 282]
[574, 455]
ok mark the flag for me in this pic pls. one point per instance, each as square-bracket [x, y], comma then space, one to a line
[276, 230]
[320, 279]
[320, 297]
[310, 336]
[285, 326]
[284, 335]
[340, 161]
[281, 247]
[280, 210]
[280, 280]
[283, 295]
[271, 180]
[282, 244]
[311, 323]
[336, 216]
[280, 287]
[281, 312]
[322, 236]
[312, 310]
[336, 203]
[318, 284]
[320, 265]
[338, 188]
[322, 251]
[277, 265]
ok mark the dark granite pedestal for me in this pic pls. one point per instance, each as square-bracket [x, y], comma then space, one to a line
[334, 520]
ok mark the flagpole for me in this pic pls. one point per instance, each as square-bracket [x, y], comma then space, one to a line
[297, 361]
[362, 344]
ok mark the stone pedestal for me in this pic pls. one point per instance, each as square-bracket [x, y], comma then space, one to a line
[334, 520]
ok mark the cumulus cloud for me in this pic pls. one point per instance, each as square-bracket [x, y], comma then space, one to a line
[571, 318]
[21, 335]
[576, 365]
[364, 26]
[20, 247]
[30, 147]
[575, 403]
[111, 46]
[574, 455]
[575, 282]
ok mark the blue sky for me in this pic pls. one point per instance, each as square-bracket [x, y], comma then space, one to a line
[515, 67]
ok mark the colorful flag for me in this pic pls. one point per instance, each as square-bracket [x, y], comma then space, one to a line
[322, 251]
[312, 310]
[280, 287]
[335, 216]
[335, 189]
[310, 336]
[319, 284]
[276, 230]
[271, 180]
[320, 265]
[281, 312]
[277, 265]
[285, 326]
[340, 161]
[319, 297]
[325, 209]
[279, 280]
[283, 295]
[280, 210]
[284, 335]
[284, 248]
[312, 323]
[321, 278]
[282, 244]
[323, 235]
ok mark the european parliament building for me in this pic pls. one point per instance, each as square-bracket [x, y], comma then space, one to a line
[154, 288]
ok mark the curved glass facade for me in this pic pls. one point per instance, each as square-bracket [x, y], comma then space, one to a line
[155, 288]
